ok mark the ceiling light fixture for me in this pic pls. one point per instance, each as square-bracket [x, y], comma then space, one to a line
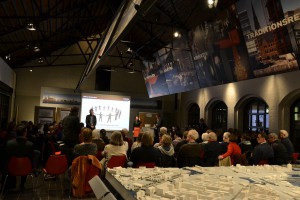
[40, 60]
[30, 27]
[176, 34]
[212, 3]
[8, 57]
[36, 49]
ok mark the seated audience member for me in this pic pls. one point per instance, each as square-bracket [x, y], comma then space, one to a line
[284, 137]
[21, 147]
[232, 149]
[50, 145]
[212, 150]
[137, 143]
[103, 136]
[177, 138]
[97, 140]
[182, 142]
[86, 147]
[146, 153]
[280, 152]
[162, 131]
[190, 154]
[116, 147]
[204, 138]
[225, 141]
[167, 151]
[125, 133]
[245, 144]
[263, 152]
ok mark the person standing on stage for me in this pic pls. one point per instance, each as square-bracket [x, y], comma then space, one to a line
[157, 125]
[137, 122]
[91, 120]
[136, 127]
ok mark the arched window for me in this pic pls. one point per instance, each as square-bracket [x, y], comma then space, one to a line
[219, 116]
[193, 115]
[295, 125]
[256, 117]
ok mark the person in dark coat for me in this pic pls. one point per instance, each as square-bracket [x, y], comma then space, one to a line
[190, 154]
[212, 150]
[280, 152]
[262, 152]
[22, 147]
[146, 153]
[91, 120]
[157, 126]
[284, 136]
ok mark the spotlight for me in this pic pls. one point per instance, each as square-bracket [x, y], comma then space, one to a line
[40, 60]
[176, 34]
[129, 51]
[30, 27]
[7, 57]
[36, 49]
[212, 3]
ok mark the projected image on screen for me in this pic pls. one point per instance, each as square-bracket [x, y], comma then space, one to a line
[112, 111]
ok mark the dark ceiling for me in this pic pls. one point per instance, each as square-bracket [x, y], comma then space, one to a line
[61, 23]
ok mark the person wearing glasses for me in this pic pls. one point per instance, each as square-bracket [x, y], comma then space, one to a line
[263, 152]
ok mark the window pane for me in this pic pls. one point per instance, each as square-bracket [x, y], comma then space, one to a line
[261, 108]
[254, 108]
[253, 120]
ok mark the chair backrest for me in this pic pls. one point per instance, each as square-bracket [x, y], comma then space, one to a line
[263, 162]
[117, 161]
[19, 166]
[146, 164]
[295, 157]
[56, 164]
[99, 155]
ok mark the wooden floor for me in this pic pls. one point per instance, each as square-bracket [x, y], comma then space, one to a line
[52, 189]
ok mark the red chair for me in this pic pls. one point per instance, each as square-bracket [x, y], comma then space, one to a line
[18, 166]
[295, 157]
[146, 164]
[117, 161]
[263, 162]
[56, 165]
[99, 155]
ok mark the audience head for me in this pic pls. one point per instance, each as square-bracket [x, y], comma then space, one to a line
[178, 134]
[272, 137]
[139, 138]
[102, 133]
[192, 135]
[21, 130]
[226, 136]
[124, 132]
[166, 140]
[116, 138]
[51, 130]
[185, 133]
[96, 134]
[245, 137]
[74, 111]
[86, 135]
[262, 137]
[233, 138]
[147, 139]
[283, 134]
[204, 137]
[212, 136]
[163, 130]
